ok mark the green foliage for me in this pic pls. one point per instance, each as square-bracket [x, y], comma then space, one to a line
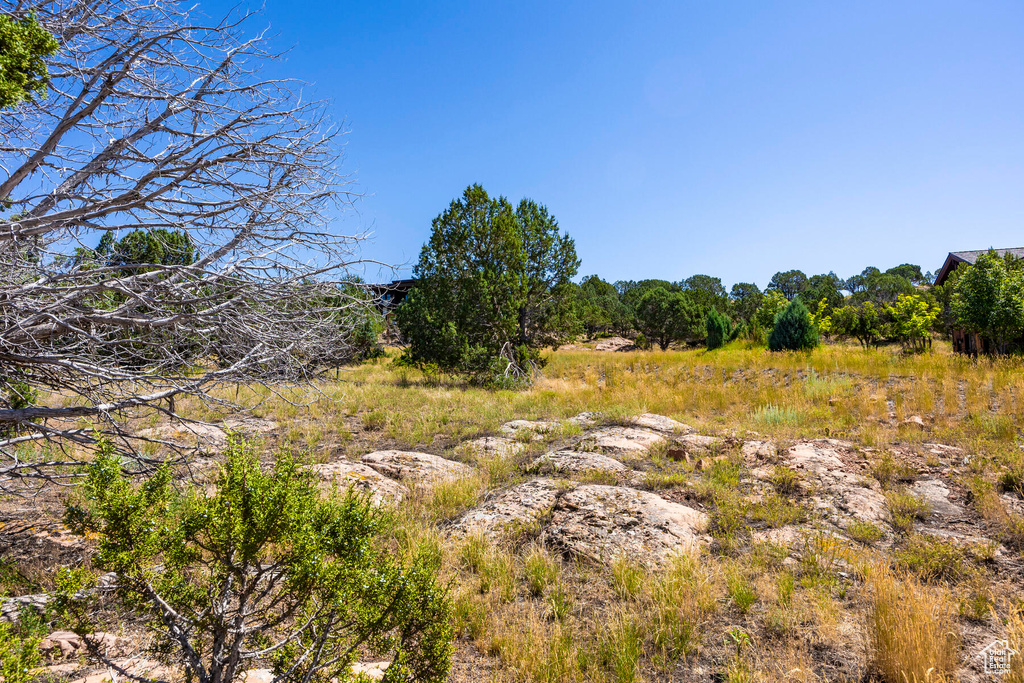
[860, 322]
[140, 250]
[23, 73]
[261, 569]
[746, 300]
[665, 316]
[19, 648]
[988, 298]
[793, 329]
[600, 309]
[772, 303]
[495, 286]
[706, 292]
[719, 330]
[823, 288]
[912, 319]
[789, 283]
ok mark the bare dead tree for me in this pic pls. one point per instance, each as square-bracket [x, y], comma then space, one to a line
[160, 124]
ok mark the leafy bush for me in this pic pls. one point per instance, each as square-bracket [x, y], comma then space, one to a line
[263, 570]
[793, 329]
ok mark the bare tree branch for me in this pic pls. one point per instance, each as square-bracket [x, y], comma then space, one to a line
[162, 125]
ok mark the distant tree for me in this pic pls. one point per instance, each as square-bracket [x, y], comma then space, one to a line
[263, 568]
[886, 288]
[772, 303]
[632, 291]
[746, 299]
[912, 319]
[23, 45]
[719, 329]
[858, 283]
[706, 291]
[988, 299]
[789, 283]
[599, 307]
[664, 316]
[793, 329]
[908, 271]
[823, 288]
[493, 287]
[860, 322]
[145, 250]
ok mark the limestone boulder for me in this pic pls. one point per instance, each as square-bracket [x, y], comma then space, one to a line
[660, 423]
[363, 478]
[506, 508]
[621, 441]
[600, 522]
[412, 466]
[577, 462]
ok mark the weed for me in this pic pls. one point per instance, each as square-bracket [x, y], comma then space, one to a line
[620, 648]
[627, 577]
[773, 415]
[889, 472]
[777, 511]
[541, 570]
[932, 559]
[904, 508]
[864, 532]
[785, 481]
[740, 590]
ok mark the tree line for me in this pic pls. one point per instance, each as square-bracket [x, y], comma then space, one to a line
[496, 284]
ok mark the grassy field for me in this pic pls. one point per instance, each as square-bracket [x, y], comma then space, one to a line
[891, 604]
[848, 607]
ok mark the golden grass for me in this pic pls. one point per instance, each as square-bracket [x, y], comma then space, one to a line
[911, 629]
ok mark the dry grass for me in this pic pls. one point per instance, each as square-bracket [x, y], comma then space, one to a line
[911, 629]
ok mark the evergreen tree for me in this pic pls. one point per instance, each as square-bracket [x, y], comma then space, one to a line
[23, 73]
[719, 330]
[793, 329]
[494, 286]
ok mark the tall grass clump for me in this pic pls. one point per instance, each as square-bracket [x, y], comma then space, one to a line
[911, 629]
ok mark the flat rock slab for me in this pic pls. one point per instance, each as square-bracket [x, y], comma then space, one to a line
[361, 477]
[534, 428]
[936, 494]
[503, 509]
[576, 462]
[622, 440]
[660, 423]
[408, 465]
[587, 419]
[600, 522]
[188, 435]
[840, 493]
[499, 446]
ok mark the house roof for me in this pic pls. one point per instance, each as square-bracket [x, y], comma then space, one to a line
[955, 258]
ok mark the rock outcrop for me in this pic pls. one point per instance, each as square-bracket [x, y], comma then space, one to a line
[412, 466]
[362, 478]
[506, 508]
[621, 440]
[599, 522]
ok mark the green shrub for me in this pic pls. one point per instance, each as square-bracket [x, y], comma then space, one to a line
[719, 330]
[793, 329]
[231, 567]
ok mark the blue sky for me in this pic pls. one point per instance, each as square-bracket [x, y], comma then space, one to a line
[728, 138]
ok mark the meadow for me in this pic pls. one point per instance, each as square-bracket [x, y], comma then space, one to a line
[890, 601]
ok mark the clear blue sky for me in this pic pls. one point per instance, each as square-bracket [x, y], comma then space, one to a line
[673, 138]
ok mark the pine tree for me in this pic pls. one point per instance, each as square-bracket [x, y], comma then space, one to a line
[719, 329]
[793, 330]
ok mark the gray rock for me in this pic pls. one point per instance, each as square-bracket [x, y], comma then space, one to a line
[499, 446]
[699, 443]
[621, 440]
[535, 428]
[936, 494]
[517, 505]
[408, 465]
[363, 478]
[599, 522]
[660, 423]
[576, 462]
